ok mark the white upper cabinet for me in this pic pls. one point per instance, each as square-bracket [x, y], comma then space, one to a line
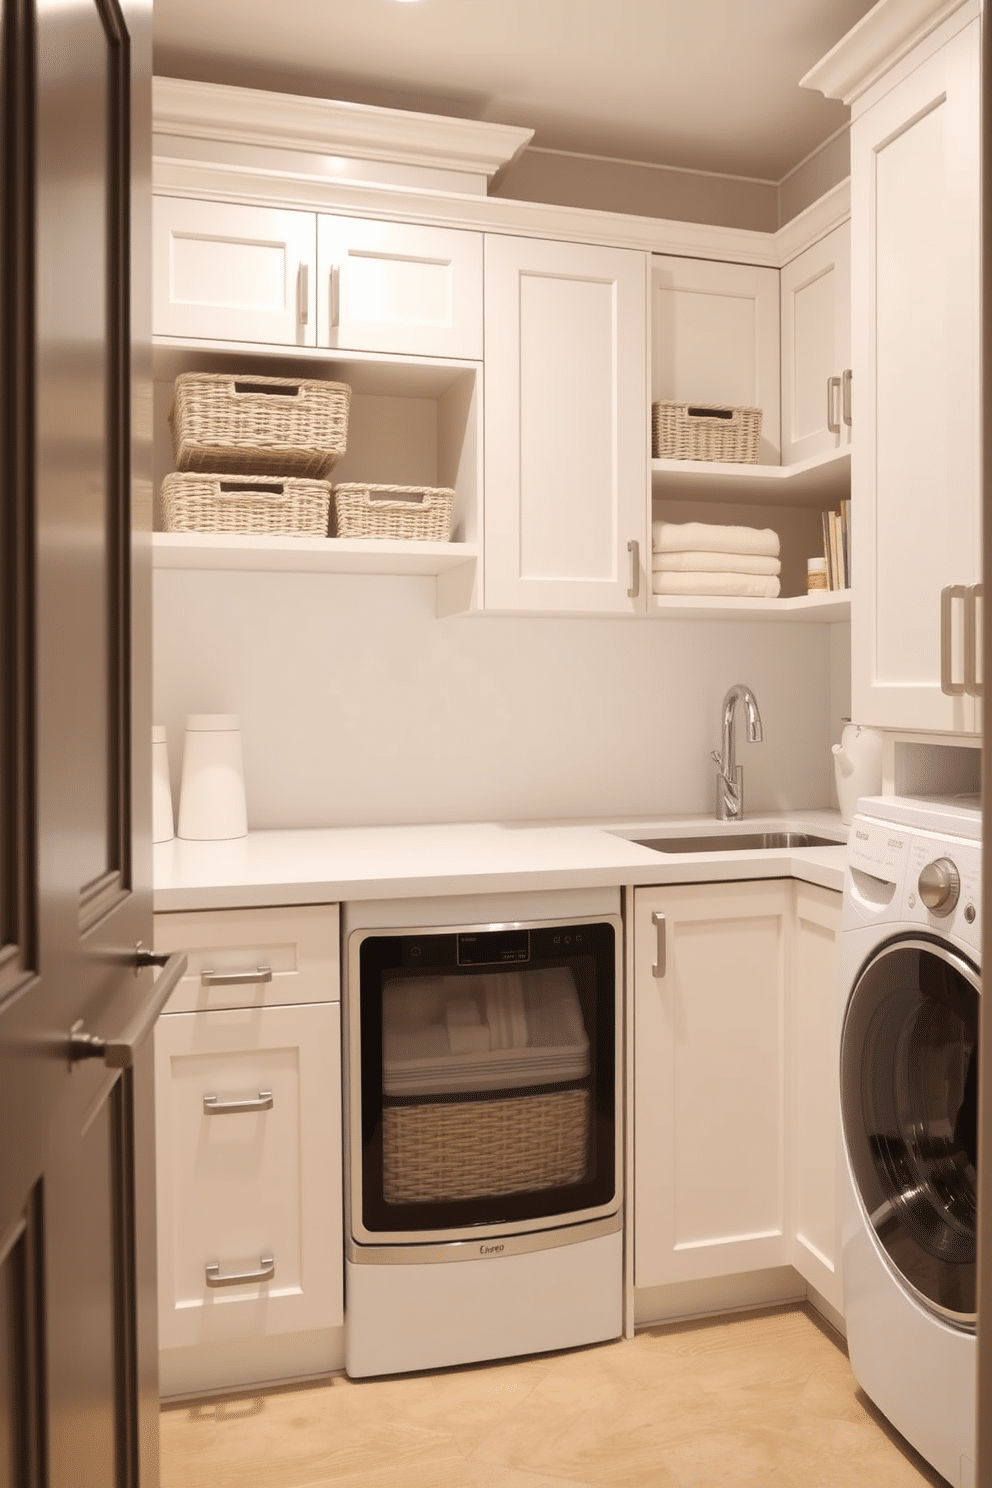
[817, 390]
[566, 427]
[397, 287]
[225, 272]
[912, 78]
[715, 338]
[915, 205]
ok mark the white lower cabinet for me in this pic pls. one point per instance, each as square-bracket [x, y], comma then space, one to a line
[709, 1050]
[734, 1065]
[248, 1150]
[816, 1150]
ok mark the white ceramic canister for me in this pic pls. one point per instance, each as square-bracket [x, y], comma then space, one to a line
[212, 795]
[163, 824]
[857, 767]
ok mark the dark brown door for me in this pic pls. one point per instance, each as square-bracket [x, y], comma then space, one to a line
[78, 1397]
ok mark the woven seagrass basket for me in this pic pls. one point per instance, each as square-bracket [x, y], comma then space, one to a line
[246, 503]
[258, 425]
[705, 431]
[421, 512]
[468, 1149]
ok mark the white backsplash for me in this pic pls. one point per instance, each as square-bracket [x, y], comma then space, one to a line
[358, 707]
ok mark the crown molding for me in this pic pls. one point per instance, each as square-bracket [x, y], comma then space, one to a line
[322, 126]
[890, 30]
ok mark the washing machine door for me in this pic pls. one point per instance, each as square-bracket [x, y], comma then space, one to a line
[909, 1087]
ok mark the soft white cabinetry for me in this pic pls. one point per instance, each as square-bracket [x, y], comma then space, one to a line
[566, 426]
[233, 273]
[709, 1047]
[817, 391]
[715, 338]
[248, 1148]
[816, 1149]
[916, 326]
[399, 287]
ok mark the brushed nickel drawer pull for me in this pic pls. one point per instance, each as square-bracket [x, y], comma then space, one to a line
[303, 293]
[833, 389]
[634, 549]
[214, 1107]
[235, 978]
[266, 1271]
[846, 381]
[948, 595]
[658, 921]
[973, 596]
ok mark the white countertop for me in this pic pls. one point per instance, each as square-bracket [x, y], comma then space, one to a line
[335, 864]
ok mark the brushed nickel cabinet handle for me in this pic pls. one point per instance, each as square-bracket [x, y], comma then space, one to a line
[658, 921]
[845, 383]
[948, 595]
[974, 595]
[634, 549]
[266, 1271]
[209, 978]
[214, 1107]
[335, 296]
[303, 293]
[833, 389]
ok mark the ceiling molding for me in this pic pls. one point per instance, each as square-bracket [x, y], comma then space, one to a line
[890, 30]
[247, 116]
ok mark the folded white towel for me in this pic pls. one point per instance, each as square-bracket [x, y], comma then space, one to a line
[697, 562]
[467, 1034]
[741, 585]
[707, 537]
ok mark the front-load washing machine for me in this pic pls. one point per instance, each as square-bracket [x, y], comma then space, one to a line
[911, 983]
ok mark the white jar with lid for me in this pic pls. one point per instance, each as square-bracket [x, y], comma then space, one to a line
[163, 825]
[212, 795]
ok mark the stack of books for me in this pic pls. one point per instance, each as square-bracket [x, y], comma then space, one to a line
[837, 546]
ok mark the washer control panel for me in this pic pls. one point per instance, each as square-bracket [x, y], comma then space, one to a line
[943, 887]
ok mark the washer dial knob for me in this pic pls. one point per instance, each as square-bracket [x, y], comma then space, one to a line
[940, 886]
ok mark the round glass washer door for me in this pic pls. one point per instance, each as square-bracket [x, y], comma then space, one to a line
[909, 1098]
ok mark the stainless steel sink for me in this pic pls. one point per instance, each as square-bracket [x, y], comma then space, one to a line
[736, 842]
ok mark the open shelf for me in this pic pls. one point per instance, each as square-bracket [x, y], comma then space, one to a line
[822, 609]
[223, 550]
[821, 481]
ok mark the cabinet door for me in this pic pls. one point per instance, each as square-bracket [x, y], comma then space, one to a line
[715, 339]
[250, 1190]
[816, 347]
[388, 286]
[566, 427]
[229, 273]
[916, 326]
[817, 1154]
[709, 1045]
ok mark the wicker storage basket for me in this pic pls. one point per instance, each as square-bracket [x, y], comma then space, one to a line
[258, 425]
[467, 1149]
[705, 431]
[245, 503]
[422, 512]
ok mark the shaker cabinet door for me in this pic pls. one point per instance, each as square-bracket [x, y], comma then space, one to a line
[248, 1121]
[817, 388]
[224, 272]
[399, 287]
[916, 325]
[710, 1020]
[566, 427]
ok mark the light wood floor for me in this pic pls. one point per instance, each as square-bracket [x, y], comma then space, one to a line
[766, 1398]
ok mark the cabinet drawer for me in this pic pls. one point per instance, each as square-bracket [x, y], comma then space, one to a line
[250, 958]
[250, 1189]
[233, 273]
[387, 286]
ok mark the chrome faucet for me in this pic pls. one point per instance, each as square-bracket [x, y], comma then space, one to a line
[730, 780]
